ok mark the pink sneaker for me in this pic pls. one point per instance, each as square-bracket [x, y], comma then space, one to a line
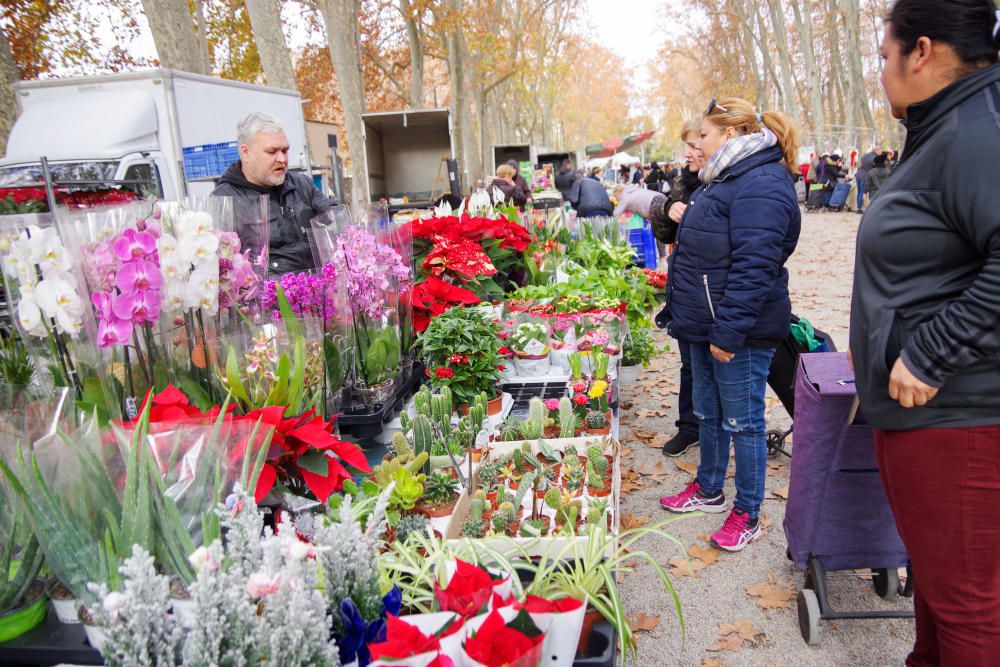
[737, 532]
[691, 499]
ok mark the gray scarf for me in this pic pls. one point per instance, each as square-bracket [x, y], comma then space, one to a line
[734, 150]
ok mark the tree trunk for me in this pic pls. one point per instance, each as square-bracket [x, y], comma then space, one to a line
[803, 21]
[414, 35]
[265, 21]
[9, 107]
[856, 74]
[765, 52]
[342, 34]
[836, 92]
[174, 34]
[789, 96]
[203, 51]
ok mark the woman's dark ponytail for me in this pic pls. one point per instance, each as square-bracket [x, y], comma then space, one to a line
[967, 26]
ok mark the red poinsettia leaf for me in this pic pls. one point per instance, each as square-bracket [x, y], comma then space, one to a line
[537, 605]
[497, 645]
[349, 453]
[441, 661]
[324, 485]
[403, 640]
[268, 476]
[170, 396]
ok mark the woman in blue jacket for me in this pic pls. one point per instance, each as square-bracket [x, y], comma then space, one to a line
[727, 296]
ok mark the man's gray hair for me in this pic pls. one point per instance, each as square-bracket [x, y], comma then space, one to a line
[256, 122]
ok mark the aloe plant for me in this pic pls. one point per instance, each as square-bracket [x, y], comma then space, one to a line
[21, 557]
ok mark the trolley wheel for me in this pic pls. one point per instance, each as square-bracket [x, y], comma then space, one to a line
[886, 583]
[775, 441]
[809, 616]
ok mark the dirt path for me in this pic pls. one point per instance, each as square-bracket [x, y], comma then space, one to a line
[717, 592]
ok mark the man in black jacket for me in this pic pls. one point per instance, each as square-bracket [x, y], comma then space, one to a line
[292, 199]
[566, 178]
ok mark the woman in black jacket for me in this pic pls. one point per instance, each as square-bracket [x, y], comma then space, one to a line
[925, 321]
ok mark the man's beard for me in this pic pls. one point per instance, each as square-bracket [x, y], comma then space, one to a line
[274, 180]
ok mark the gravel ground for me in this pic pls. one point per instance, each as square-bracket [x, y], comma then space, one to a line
[821, 287]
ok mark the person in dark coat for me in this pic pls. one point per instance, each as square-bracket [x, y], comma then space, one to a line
[293, 199]
[638, 175]
[589, 199]
[925, 321]
[504, 182]
[876, 177]
[519, 179]
[665, 225]
[565, 178]
[727, 296]
[654, 179]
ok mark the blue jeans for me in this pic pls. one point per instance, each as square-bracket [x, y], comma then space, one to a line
[686, 422]
[860, 180]
[729, 402]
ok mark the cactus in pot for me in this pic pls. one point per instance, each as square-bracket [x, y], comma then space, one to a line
[567, 418]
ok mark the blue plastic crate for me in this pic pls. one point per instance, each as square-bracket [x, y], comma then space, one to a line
[645, 246]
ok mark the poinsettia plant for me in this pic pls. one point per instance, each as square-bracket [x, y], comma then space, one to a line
[433, 296]
[470, 589]
[500, 644]
[460, 350]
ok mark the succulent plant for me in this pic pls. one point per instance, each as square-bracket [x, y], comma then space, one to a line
[575, 478]
[596, 509]
[507, 512]
[472, 528]
[440, 487]
[476, 510]
[510, 429]
[594, 479]
[566, 507]
[567, 418]
[411, 524]
[596, 420]
[499, 523]
[576, 366]
[401, 447]
[532, 527]
[489, 473]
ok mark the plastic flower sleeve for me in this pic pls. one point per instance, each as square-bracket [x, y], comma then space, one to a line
[529, 341]
[401, 242]
[196, 466]
[45, 302]
[251, 223]
[70, 483]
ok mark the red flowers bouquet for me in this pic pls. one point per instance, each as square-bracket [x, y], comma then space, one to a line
[405, 641]
[434, 296]
[500, 644]
[470, 589]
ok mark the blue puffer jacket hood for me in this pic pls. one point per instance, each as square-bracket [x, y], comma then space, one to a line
[727, 280]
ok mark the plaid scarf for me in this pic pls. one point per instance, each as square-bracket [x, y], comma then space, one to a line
[734, 150]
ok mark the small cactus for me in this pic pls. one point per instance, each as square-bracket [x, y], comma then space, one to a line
[405, 422]
[422, 402]
[567, 419]
[594, 480]
[527, 484]
[553, 499]
[532, 527]
[508, 512]
[423, 438]
[536, 410]
[409, 525]
[596, 420]
[401, 447]
[600, 466]
[480, 494]
[594, 453]
[575, 478]
[488, 474]
[472, 528]
[499, 522]
[476, 511]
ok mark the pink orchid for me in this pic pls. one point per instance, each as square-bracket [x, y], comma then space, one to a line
[102, 302]
[132, 244]
[138, 307]
[138, 275]
[113, 332]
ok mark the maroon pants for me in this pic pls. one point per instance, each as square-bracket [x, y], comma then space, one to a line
[944, 489]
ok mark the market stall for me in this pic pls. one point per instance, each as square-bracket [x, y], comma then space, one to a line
[361, 464]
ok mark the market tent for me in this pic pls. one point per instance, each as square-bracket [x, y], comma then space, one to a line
[612, 146]
[616, 161]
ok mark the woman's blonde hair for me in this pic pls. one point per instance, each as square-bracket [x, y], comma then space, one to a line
[506, 171]
[740, 114]
[692, 124]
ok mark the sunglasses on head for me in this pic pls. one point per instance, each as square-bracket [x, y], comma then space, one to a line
[713, 105]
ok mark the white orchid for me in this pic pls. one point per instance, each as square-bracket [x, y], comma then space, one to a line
[197, 248]
[479, 200]
[203, 287]
[29, 315]
[56, 295]
[174, 296]
[498, 194]
[46, 250]
[166, 246]
[193, 223]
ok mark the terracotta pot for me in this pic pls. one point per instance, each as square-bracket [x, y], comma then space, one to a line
[599, 493]
[435, 511]
[494, 406]
[551, 432]
[589, 619]
[546, 519]
[492, 497]
[477, 454]
[599, 431]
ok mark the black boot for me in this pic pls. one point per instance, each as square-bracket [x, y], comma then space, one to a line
[679, 444]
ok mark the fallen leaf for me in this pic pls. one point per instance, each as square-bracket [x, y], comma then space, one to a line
[627, 405]
[632, 481]
[731, 643]
[711, 662]
[765, 522]
[689, 467]
[706, 538]
[744, 628]
[686, 567]
[708, 556]
[630, 521]
[658, 469]
[772, 594]
[647, 414]
[640, 622]
[771, 402]
[781, 493]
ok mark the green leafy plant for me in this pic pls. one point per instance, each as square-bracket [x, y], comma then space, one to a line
[460, 349]
[21, 557]
[638, 348]
[566, 506]
[533, 427]
[409, 487]
[601, 361]
[575, 366]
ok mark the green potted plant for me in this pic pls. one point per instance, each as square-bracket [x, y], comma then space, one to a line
[530, 344]
[460, 350]
[440, 494]
[637, 352]
[22, 597]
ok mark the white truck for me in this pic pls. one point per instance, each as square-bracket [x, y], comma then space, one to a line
[410, 157]
[172, 131]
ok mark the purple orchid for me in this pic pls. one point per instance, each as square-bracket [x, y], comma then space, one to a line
[132, 244]
[138, 275]
[113, 332]
[137, 307]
